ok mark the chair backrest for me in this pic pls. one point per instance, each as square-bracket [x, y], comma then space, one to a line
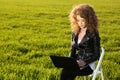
[99, 64]
[100, 59]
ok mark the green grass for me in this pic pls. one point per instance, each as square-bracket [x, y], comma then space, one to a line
[31, 30]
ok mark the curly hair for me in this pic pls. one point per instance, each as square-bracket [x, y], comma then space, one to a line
[87, 12]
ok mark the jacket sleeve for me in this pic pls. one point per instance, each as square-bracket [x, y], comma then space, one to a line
[73, 48]
[96, 48]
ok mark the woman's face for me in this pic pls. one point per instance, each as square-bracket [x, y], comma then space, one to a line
[81, 22]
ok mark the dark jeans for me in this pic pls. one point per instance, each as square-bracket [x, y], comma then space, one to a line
[69, 74]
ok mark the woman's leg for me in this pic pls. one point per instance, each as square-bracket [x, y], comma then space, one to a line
[84, 72]
[67, 74]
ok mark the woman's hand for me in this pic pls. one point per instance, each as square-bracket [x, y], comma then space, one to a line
[81, 63]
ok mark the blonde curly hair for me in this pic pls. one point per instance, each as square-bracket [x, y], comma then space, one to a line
[87, 12]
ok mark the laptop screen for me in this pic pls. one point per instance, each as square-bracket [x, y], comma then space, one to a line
[64, 62]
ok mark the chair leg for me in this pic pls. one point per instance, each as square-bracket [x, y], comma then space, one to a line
[102, 74]
[84, 77]
[94, 75]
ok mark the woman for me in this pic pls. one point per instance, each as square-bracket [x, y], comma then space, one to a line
[85, 46]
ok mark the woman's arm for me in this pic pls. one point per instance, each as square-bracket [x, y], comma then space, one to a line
[96, 48]
[73, 48]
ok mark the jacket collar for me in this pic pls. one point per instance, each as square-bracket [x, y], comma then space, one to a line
[84, 39]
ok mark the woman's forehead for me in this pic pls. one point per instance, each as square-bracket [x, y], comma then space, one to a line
[79, 17]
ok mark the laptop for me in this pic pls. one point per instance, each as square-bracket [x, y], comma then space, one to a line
[64, 62]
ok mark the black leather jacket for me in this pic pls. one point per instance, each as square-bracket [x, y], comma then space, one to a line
[88, 49]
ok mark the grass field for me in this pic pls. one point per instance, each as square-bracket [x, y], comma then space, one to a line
[31, 30]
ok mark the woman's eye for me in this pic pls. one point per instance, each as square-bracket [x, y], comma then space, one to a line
[81, 20]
